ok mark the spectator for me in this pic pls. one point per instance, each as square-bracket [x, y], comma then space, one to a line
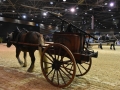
[107, 38]
[113, 40]
[100, 39]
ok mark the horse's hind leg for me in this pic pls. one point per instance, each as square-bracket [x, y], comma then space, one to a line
[17, 56]
[31, 53]
[25, 62]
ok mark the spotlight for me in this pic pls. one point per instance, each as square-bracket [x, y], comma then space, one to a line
[44, 14]
[64, 0]
[72, 10]
[24, 16]
[51, 3]
[111, 4]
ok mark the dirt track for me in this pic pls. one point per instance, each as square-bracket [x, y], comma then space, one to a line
[103, 75]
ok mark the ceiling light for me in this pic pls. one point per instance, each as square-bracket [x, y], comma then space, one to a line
[90, 9]
[77, 7]
[111, 4]
[109, 10]
[24, 16]
[66, 10]
[44, 14]
[51, 2]
[72, 10]
[64, 0]
[13, 10]
[111, 15]
[105, 3]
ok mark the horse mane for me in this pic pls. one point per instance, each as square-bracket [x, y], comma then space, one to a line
[18, 32]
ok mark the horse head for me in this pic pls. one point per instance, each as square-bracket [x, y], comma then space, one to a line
[11, 37]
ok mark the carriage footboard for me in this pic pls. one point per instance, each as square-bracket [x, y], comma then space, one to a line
[85, 57]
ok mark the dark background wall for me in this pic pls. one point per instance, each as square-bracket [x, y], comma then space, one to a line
[7, 27]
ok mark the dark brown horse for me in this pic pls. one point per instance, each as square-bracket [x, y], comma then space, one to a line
[19, 38]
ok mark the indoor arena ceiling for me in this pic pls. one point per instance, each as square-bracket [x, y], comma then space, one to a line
[104, 15]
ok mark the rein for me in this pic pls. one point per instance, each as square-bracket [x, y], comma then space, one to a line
[14, 42]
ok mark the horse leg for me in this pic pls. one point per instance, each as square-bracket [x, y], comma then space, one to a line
[17, 56]
[25, 62]
[31, 53]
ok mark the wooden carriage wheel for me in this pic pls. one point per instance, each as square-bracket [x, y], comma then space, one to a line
[83, 67]
[58, 65]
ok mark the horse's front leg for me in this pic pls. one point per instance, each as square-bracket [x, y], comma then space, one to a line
[31, 53]
[17, 56]
[25, 62]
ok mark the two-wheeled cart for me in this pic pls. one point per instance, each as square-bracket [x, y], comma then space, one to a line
[67, 56]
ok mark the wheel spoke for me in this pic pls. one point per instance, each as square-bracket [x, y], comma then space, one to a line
[67, 69]
[65, 73]
[47, 62]
[79, 69]
[48, 67]
[49, 72]
[83, 67]
[62, 77]
[58, 77]
[50, 54]
[53, 76]
[48, 58]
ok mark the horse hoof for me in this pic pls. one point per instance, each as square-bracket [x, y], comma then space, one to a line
[29, 70]
[24, 65]
[21, 63]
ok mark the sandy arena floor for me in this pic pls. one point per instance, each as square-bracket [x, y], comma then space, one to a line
[103, 75]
